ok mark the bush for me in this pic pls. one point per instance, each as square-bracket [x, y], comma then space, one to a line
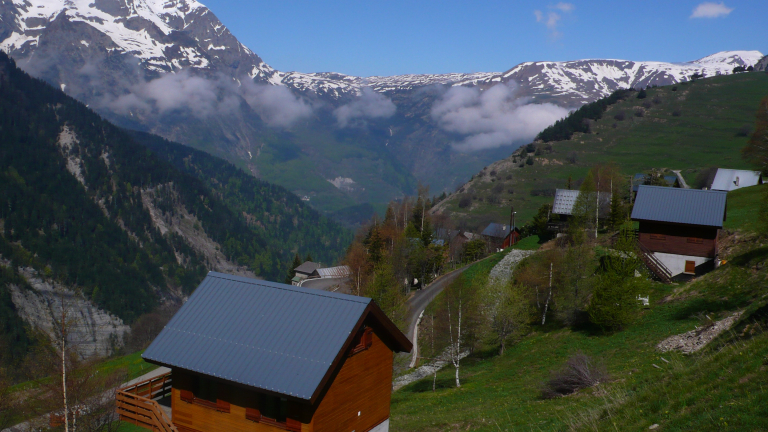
[579, 372]
[529, 161]
[744, 131]
[674, 88]
[465, 201]
[493, 173]
[614, 304]
[620, 116]
[509, 177]
[647, 105]
[641, 94]
[530, 148]
[677, 113]
[657, 100]
[573, 157]
[498, 188]
[639, 113]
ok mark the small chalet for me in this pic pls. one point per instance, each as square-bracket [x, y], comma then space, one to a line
[251, 355]
[679, 228]
[332, 272]
[730, 179]
[500, 236]
[304, 271]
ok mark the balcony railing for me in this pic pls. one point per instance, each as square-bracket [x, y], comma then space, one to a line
[137, 404]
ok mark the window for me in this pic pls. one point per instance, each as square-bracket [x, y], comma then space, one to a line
[362, 341]
[695, 240]
[661, 237]
[273, 410]
[690, 267]
[205, 392]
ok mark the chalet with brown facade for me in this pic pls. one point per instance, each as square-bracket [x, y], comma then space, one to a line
[679, 228]
[250, 355]
[500, 236]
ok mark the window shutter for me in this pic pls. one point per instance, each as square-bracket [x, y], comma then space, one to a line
[186, 396]
[222, 405]
[293, 425]
[368, 338]
[252, 414]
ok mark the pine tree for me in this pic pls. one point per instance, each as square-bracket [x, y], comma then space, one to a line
[617, 212]
[291, 273]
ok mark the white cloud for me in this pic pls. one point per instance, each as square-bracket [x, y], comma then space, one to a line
[492, 118]
[711, 10]
[369, 104]
[276, 105]
[551, 19]
[564, 7]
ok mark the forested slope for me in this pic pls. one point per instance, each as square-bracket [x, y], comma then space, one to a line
[86, 207]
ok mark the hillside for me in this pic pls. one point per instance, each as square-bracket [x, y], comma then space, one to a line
[90, 213]
[721, 387]
[688, 126]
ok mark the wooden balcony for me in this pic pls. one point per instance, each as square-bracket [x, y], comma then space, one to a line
[138, 404]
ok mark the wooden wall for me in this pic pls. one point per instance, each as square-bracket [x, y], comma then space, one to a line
[190, 417]
[679, 239]
[364, 385]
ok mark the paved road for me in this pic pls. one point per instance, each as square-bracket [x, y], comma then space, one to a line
[421, 299]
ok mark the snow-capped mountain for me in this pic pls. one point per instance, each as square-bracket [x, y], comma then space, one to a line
[172, 68]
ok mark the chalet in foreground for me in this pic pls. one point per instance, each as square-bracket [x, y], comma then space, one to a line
[251, 355]
[679, 228]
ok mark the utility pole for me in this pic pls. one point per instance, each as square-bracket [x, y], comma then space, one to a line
[511, 225]
[549, 296]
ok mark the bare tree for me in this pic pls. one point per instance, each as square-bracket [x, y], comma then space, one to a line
[458, 310]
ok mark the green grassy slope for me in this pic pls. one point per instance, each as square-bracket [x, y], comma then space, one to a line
[723, 387]
[711, 113]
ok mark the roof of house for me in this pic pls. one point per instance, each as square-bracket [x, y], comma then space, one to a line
[496, 230]
[307, 267]
[276, 337]
[730, 179]
[333, 272]
[565, 200]
[683, 206]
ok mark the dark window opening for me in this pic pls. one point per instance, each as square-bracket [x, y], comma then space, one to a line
[273, 407]
[205, 392]
[205, 389]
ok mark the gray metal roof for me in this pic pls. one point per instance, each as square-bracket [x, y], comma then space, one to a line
[731, 179]
[565, 200]
[268, 335]
[307, 267]
[684, 206]
[496, 230]
[334, 272]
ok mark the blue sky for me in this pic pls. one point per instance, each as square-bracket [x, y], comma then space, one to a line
[376, 37]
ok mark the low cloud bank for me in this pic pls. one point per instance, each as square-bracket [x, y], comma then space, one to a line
[492, 118]
[368, 105]
[276, 105]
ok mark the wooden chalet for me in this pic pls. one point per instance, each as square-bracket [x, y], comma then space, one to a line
[500, 236]
[249, 355]
[305, 270]
[562, 208]
[679, 229]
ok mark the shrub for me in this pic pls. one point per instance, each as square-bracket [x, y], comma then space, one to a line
[493, 173]
[530, 148]
[465, 201]
[529, 161]
[620, 116]
[674, 88]
[579, 372]
[493, 199]
[744, 131]
[646, 104]
[677, 113]
[498, 188]
[614, 304]
[641, 94]
[573, 157]
[657, 100]
[639, 113]
[509, 177]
